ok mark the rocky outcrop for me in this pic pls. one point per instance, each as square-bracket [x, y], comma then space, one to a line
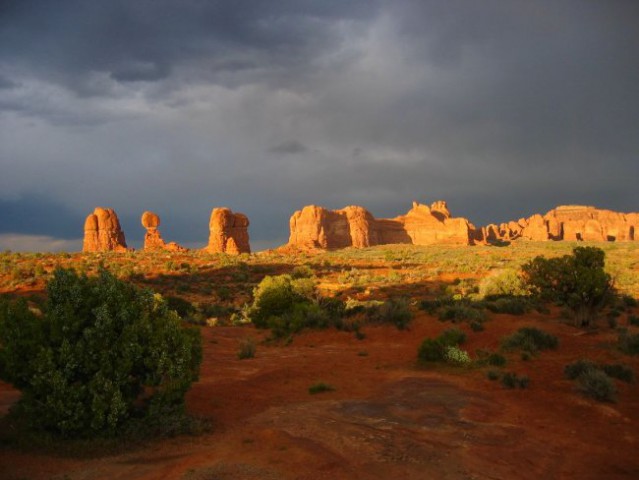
[316, 227]
[568, 222]
[153, 241]
[102, 232]
[228, 232]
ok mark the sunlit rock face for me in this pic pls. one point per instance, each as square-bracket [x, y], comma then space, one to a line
[570, 223]
[102, 232]
[316, 227]
[228, 232]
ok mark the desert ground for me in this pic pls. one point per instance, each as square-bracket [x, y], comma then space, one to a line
[385, 414]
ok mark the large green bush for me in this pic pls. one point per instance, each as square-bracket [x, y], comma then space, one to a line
[103, 352]
[578, 281]
[276, 296]
[287, 305]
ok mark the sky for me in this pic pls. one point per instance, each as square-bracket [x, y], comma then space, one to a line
[502, 108]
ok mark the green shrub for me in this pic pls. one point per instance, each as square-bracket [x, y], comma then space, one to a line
[633, 320]
[395, 310]
[502, 282]
[435, 349]
[274, 297]
[302, 271]
[452, 336]
[509, 305]
[493, 375]
[247, 348]
[596, 384]
[578, 281]
[103, 353]
[184, 308]
[512, 380]
[496, 360]
[320, 387]
[575, 369]
[620, 372]
[461, 311]
[476, 326]
[531, 340]
[628, 343]
[287, 305]
[431, 306]
[431, 350]
[334, 307]
[456, 355]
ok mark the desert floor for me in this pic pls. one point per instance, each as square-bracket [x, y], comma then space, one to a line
[387, 417]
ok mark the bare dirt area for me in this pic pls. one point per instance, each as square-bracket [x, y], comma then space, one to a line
[385, 418]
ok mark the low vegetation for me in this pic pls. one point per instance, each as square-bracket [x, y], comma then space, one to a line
[320, 387]
[444, 348]
[628, 342]
[247, 348]
[512, 380]
[287, 305]
[596, 380]
[531, 340]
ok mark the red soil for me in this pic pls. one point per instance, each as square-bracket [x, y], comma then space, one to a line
[387, 418]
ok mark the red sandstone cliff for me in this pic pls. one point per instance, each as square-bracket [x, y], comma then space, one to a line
[316, 227]
[568, 222]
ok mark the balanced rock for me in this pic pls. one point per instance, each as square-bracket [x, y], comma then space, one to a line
[153, 241]
[102, 232]
[228, 232]
[316, 227]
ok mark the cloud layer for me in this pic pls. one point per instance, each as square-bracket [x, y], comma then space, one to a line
[501, 108]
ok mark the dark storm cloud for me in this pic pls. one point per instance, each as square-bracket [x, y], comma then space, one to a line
[143, 39]
[288, 148]
[38, 215]
[501, 108]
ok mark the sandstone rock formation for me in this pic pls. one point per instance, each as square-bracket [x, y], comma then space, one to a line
[315, 227]
[152, 239]
[228, 232]
[102, 232]
[568, 222]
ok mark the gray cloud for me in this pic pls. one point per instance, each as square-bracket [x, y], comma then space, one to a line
[501, 108]
[6, 83]
[288, 148]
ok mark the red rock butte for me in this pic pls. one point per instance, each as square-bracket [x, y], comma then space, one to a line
[567, 222]
[102, 232]
[316, 227]
[228, 232]
[153, 241]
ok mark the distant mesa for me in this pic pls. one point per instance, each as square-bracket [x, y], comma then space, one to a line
[316, 227]
[102, 232]
[228, 232]
[153, 241]
[567, 222]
